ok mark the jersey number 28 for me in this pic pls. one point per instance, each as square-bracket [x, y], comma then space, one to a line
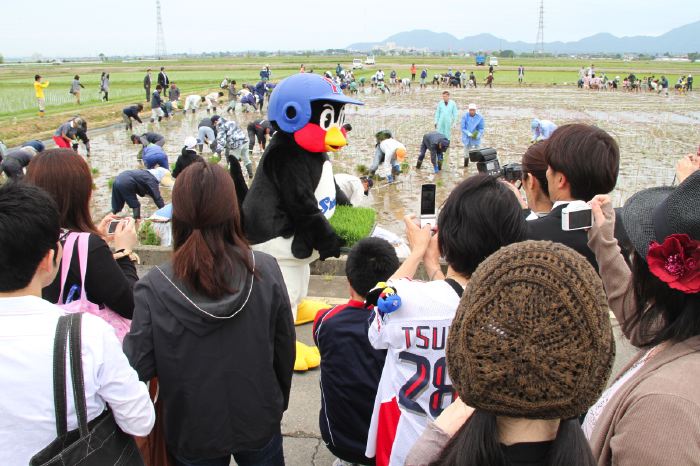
[414, 386]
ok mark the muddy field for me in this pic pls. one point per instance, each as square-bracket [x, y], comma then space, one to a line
[653, 132]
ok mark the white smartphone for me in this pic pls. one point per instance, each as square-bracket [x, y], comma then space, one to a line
[577, 215]
[427, 205]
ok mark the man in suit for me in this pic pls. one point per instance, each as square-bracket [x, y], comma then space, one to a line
[147, 84]
[582, 161]
[163, 80]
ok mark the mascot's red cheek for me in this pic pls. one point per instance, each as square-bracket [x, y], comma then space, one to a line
[311, 138]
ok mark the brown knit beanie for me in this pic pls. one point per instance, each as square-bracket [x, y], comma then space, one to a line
[532, 335]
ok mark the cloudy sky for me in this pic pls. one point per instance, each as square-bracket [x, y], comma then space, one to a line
[89, 27]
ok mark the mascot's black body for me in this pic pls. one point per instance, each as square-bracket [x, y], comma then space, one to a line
[293, 194]
[283, 203]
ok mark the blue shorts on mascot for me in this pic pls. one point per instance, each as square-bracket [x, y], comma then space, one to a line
[293, 193]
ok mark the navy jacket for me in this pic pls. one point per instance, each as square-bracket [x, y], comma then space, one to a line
[132, 112]
[141, 183]
[350, 373]
[156, 100]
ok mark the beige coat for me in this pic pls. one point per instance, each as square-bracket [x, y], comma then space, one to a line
[654, 418]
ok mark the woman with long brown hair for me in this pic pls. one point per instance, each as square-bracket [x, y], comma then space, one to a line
[110, 277]
[215, 326]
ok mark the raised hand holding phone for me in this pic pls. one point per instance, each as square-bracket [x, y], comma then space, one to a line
[427, 205]
[125, 236]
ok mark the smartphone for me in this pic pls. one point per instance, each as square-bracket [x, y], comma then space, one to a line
[427, 205]
[577, 215]
[113, 226]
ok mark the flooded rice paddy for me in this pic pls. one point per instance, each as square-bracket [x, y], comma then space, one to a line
[653, 132]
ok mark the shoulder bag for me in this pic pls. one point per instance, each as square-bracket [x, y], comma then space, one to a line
[99, 442]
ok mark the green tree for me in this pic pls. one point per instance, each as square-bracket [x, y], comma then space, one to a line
[507, 54]
[692, 56]
[2, 59]
[102, 57]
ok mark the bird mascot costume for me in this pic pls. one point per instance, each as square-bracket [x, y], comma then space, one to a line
[293, 193]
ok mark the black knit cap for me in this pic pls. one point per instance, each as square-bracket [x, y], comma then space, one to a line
[532, 335]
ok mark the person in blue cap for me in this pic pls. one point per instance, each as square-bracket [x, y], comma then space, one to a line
[293, 193]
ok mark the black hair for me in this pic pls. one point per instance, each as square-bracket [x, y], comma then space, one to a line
[76, 77]
[476, 443]
[370, 261]
[347, 127]
[221, 93]
[159, 87]
[663, 314]
[480, 216]
[29, 228]
[36, 77]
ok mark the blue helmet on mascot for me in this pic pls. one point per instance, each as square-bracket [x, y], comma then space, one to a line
[290, 102]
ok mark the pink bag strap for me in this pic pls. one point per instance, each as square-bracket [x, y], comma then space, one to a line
[68, 249]
[83, 258]
[65, 262]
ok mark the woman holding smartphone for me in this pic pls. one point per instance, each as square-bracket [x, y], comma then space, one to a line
[110, 277]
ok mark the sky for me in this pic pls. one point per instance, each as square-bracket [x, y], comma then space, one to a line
[128, 27]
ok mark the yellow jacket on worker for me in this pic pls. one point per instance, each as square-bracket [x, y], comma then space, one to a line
[39, 88]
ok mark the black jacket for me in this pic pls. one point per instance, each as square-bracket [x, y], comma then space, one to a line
[281, 200]
[132, 112]
[224, 367]
[163, 79]
[186, 158]
[549, 228]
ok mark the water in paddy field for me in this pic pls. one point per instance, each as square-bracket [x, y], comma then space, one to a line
[653, 133]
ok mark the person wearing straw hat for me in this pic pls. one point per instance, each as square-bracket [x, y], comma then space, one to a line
[651, 412]
[530, 348]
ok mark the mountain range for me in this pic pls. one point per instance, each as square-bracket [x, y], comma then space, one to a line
[680, 40]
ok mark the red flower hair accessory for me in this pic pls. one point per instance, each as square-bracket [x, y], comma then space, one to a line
[676, 262]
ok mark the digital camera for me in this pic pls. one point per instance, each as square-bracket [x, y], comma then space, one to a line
[512, 172]
[486, 161]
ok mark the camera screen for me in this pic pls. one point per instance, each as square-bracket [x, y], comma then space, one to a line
[427, 199]
[580, 219]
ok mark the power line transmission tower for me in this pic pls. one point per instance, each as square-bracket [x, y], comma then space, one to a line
[160, 36]
[539, 43]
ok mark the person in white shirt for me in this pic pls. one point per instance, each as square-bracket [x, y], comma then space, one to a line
[389, 153]
[192, 102]
[213, 100]
[30, 252]
[356, 189]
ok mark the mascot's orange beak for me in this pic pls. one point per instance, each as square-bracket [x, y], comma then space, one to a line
[335, 139]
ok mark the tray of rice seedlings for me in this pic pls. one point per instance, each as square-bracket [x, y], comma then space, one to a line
[353, 223]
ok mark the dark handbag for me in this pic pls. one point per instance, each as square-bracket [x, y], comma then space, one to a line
[152, 447]
[99, 442]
